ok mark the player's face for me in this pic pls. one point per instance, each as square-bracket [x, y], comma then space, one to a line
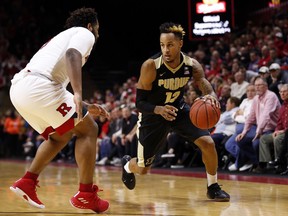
[170, 47]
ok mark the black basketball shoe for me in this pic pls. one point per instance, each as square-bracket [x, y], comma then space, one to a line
[127, 178]
[214, 192]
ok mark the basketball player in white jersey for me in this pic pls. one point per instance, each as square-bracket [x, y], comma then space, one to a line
[39, 94]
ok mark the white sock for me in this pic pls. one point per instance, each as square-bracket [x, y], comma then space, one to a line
[126, 167]
[212, 179]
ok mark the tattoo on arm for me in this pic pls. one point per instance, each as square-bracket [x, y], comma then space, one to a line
[205, 87]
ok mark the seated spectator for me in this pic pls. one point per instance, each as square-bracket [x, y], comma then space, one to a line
[175, 151]
[28, 149]
[274, 56]
[178, 153]
[240, 117]
[191, 95]
[253, 64]
[103, 130]
[224, 96]
[129, 126]
[278, 77]
[261, 120]
[248, 75]
[225, 127]
[265, 57]
[124, 141]
[238, 88]
[284, 152]
[217, 84]
[213, 70]
[275, 140]
[265, 74]
[107, 146]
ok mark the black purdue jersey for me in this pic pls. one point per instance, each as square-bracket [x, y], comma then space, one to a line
[168, 87]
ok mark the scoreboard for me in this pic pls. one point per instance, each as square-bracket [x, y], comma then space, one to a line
[210, 18]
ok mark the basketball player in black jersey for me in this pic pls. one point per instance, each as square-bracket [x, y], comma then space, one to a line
[161, 109]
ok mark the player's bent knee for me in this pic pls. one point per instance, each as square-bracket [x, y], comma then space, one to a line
[88, 127]
[60, 139]
[205, 144]
[205, 141]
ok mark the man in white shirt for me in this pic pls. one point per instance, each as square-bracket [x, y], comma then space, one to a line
[238, 88]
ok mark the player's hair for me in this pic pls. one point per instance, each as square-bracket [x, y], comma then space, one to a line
[170, 27]
[81, 17]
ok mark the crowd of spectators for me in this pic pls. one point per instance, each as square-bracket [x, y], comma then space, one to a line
[231, 63]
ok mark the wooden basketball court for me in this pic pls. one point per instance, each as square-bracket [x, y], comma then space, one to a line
[162, 192]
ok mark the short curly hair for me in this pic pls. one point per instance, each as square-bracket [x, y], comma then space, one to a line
[81, 17]
[170, 27]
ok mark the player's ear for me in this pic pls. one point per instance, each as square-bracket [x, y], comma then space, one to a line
[89, 27]
[181, 43]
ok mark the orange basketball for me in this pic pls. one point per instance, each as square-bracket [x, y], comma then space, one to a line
[203, 115]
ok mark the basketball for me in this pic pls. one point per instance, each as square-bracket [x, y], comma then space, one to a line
[203, 115]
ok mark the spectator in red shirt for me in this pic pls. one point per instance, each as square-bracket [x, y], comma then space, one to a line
[265, 57]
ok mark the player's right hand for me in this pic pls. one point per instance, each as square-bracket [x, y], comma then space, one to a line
[168, 112]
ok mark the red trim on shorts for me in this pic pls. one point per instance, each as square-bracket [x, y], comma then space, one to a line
[47, 131]
[68, 125]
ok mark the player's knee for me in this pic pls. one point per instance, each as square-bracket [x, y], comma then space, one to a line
[88, 127]
[58, 140]
[205, 144]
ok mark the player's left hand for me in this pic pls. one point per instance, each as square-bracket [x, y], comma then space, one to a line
[168, 112]
[97, 110]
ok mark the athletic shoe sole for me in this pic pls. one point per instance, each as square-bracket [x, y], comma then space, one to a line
[26, 198]
[219, 199]
[80, 207]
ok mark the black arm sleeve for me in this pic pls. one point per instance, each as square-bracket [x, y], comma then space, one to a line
[142, 104]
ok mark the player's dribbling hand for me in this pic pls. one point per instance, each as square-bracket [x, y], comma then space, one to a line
[213, 100]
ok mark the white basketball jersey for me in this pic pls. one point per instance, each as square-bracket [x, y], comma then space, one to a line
[50, 59]
[39, 93]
